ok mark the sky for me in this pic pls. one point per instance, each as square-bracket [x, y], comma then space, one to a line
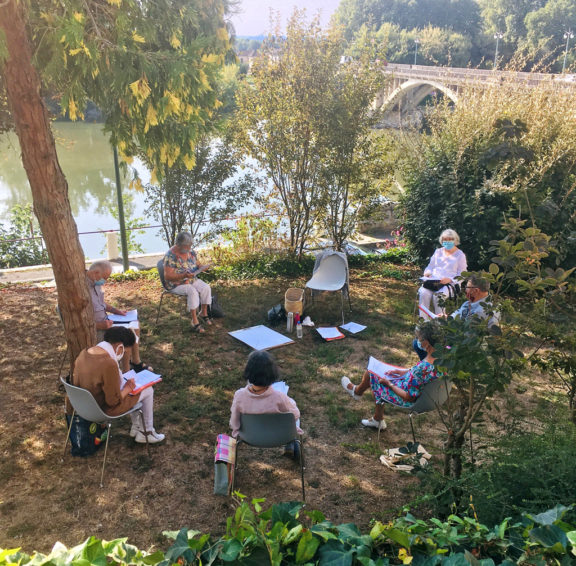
[253, 17]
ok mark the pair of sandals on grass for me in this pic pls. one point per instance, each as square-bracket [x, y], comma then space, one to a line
[198, 328]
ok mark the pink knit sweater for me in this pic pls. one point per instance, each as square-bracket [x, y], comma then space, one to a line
[270, 401]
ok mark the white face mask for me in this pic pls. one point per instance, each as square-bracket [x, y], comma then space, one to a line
[118, 355]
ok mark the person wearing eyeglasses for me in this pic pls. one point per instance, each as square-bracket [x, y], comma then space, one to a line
[442, 272]
[478, 304]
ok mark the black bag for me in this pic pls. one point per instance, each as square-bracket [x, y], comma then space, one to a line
[435, 285]
[215, 309]
[85, 437]
[277, 314]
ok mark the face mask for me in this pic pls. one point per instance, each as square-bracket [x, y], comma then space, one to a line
[120, 356]
[448, 245]
[419, 345]
[99, 282]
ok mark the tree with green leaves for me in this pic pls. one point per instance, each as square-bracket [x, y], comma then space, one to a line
[306, 117]
[203, 196]
[151, 66]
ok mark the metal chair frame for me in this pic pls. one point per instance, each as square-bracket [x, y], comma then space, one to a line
[269, 430]
[432, 396]
[165, 291]
[84, 405]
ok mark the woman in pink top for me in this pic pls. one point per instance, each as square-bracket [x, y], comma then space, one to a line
[260, 397]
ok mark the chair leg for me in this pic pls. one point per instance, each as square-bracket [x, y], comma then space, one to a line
[342, 304]
[412, 428]
[235, 467]
[105, 455]
[145, 431]
[158, 313]
[302, 466]
[68, 433]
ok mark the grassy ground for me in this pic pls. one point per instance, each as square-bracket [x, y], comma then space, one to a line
[44, 498]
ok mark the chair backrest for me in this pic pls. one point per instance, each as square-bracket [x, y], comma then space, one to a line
[84, 404]
[267, 430]
[160, 268]
[432, 396]
[331, 272]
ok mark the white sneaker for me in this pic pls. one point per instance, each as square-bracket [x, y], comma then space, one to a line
[135, 429]
[153, 437]
[345, 381]
[373, 423]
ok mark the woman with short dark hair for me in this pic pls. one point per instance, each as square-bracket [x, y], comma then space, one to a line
[400, 387]
[96, 369]
[259, 396]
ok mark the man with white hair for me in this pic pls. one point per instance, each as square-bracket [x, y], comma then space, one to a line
[96, 275]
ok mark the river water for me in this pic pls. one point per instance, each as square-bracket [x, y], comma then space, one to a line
[87, 160]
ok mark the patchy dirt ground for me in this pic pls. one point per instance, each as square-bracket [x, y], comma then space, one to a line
[45, 497]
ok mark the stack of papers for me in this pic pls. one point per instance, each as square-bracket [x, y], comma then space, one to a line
[281, 386]
[330, 333]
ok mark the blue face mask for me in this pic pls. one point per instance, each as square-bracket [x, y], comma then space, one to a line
[448, 245]
[419, 345]
[99, 282]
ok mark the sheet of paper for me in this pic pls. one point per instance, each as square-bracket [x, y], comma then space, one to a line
[128, 317]
[329, 332]
[353, 327]
[380, 368]
[281, 386]
[261, 337]
[143, 379]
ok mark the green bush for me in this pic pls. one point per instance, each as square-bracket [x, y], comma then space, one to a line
[26, 251]
[288, 534]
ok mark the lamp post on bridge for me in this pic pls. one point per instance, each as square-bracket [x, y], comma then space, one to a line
[416, 42]
[497, 36]
[568, 35]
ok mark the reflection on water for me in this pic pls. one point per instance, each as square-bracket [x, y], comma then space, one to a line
[86, 158]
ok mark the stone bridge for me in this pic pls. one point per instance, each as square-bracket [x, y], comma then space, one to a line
[411, 84]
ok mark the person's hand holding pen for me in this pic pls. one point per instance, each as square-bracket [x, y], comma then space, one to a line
[129, 386]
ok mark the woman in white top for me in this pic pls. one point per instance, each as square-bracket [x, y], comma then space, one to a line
[446, 265]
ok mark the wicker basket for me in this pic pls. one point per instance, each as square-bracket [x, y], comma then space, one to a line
[294, 300]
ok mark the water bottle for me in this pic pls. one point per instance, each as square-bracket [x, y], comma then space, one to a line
[299, 330]
[290, 322]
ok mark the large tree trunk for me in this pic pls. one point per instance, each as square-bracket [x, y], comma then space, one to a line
[48, 184]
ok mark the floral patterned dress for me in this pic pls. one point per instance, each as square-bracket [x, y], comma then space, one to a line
[179, 265]
[412, 382]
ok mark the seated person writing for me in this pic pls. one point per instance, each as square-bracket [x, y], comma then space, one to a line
[180, 269]
[96, 369]
[478, 304]
[399, 387]
[96, 276]
[260, 397]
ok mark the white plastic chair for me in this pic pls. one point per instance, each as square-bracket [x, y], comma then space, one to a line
[331, 274]
[85, 405]
[269, 430]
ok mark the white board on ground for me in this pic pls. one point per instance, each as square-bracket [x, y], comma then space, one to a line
[260, 337]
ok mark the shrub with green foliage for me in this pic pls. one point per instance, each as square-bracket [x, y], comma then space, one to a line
[15, 251]
[502, 150]
[288, 534]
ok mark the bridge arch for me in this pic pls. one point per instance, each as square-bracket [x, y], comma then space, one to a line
[410, 93]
